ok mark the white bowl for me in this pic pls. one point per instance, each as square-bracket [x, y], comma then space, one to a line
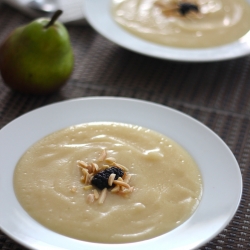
[98, 14]
[221, 175]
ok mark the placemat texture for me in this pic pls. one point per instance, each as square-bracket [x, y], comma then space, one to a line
[216, 93]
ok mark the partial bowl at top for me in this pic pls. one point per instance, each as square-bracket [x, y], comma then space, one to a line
[99, 16]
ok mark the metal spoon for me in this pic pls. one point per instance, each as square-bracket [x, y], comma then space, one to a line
[44, 5]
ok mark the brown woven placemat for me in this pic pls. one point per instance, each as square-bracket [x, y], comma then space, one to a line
[216, 94]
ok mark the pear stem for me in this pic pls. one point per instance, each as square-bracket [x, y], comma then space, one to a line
[53, 19]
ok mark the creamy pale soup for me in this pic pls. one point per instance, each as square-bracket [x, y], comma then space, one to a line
[208, 23]
[166, 184]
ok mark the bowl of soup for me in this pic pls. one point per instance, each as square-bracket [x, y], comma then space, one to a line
[199, 30]
[166, 185]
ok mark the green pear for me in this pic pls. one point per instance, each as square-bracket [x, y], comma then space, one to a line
[37, 58]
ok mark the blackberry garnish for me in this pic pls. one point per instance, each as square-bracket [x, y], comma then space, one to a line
[185, 8]
[100, 180]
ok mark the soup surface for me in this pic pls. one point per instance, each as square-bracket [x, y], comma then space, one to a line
[217, 22]
[166, 182]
